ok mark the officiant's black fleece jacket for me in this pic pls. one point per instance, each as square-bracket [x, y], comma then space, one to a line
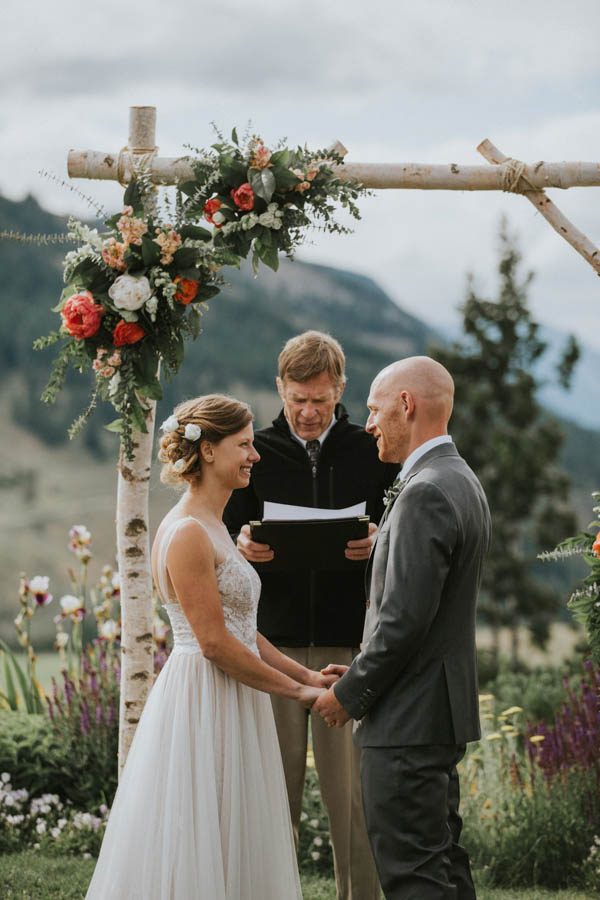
[306, 607]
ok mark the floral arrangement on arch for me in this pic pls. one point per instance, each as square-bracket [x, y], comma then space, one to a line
[134, 291]
[261, 201]
[585, 600]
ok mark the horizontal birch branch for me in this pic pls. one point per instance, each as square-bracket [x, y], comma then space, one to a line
[453, 177]
[550, 211]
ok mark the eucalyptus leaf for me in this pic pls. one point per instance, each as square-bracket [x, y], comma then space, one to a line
[263, 183]
[150, 252]
[115, 426]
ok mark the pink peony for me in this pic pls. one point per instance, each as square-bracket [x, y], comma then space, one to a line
[81, 316]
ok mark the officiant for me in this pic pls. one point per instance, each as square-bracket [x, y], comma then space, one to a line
[312, 455]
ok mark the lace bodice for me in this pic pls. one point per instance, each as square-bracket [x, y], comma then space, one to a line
[239, 588]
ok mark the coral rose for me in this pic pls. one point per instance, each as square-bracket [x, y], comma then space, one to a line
[127, 333]
[187, 288]
[596, 545]
[210, 208]
[244, 196]
[81, 316]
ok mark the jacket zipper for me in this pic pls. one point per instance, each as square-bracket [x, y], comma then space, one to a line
[312, 584]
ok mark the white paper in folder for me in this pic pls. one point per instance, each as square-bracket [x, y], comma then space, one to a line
[284, 512]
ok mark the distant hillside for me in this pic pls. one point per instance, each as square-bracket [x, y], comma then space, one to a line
[244, 329]
[47, 484]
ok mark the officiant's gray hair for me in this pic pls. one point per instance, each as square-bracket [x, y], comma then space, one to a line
[312, 353]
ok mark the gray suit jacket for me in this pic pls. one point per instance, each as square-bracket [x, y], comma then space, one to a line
[415, 679]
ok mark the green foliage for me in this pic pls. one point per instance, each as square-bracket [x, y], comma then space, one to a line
[584, 602]
[540, 692]
[35, 876]
[540, 838]
[30, 752]
[512, 445]
[315, 855]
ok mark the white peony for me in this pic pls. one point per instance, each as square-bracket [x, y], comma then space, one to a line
[130, 293]
[218, 218]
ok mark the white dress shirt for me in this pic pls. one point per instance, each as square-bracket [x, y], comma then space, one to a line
[420, 451]
[321, 437]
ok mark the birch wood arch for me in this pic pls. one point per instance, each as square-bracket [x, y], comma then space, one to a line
[133, 533]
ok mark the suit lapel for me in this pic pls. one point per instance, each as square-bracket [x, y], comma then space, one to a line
[447, 449]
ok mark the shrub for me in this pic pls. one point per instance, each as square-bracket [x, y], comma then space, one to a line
[315, 856]
[531, 816]
[30, 752]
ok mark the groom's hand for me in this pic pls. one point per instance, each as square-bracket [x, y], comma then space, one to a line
[329, 708]
[250, 550]
[361, 548]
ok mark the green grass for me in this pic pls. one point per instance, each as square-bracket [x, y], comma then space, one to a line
[33, 876]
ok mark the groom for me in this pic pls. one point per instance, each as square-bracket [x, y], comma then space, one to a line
[413, 687]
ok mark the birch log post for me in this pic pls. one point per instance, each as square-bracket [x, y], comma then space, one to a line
[133, 533]
[543, 204]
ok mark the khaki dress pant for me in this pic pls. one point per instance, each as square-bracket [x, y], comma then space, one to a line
[337, 761]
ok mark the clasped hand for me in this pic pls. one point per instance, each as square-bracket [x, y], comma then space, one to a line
[327, 704]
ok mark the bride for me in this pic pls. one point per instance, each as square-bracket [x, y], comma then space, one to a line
[201, 812]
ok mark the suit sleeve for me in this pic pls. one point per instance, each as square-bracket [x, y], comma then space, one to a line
[422, 536]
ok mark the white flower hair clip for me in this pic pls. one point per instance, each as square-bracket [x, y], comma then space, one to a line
[179, 465]
[170, 424]
[192, 432]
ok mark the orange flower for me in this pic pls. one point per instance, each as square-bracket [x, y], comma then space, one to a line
[127, 333]
[186, 290]
[596, 545]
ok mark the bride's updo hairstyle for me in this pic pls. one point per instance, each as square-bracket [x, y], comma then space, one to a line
[208, 418]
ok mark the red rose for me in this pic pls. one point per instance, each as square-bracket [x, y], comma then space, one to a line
[81, 316]
[210, 208]
[127, 333]
[244, 196]
[186, 290]
[596, 545]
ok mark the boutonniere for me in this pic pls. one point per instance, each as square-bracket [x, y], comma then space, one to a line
[392, 492]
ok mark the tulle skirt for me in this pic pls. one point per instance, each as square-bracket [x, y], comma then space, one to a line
[201, 812]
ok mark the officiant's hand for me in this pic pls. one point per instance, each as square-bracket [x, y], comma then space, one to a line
[252, 551]
[329, 708]
[361, 548]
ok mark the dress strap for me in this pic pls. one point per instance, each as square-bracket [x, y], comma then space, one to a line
[163, 548]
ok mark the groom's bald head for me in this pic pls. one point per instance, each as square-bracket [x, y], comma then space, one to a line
[429, 383]
[410, 402]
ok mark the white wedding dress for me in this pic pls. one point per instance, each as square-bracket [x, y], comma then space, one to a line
[201, 812]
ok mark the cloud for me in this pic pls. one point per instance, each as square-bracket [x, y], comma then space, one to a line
[394, 80]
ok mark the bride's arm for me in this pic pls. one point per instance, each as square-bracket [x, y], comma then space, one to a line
[191, 567]
[295, 670]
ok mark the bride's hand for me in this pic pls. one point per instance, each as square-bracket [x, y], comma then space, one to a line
[308, 695]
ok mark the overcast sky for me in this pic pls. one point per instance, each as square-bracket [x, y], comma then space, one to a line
[393, 80]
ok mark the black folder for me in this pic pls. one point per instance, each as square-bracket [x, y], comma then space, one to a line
[310, 543]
